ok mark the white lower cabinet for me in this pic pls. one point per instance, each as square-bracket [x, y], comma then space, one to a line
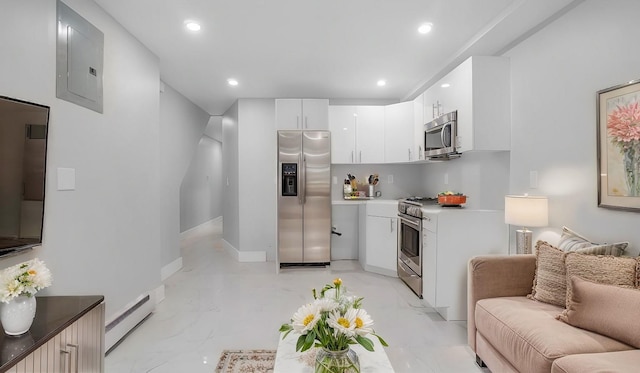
[381, 238]
[77, 348]
[450, 238]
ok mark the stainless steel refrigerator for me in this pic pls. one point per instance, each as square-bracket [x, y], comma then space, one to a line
[304, 197]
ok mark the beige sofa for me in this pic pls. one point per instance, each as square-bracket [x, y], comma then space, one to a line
[511, 333]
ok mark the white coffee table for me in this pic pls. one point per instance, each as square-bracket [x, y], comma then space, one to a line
[290, 361]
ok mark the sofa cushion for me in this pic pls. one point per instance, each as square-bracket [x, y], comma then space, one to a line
[528, 335]
[608, 362]
[550, 281]
[604, 309]
[608, 270]
[572, 241]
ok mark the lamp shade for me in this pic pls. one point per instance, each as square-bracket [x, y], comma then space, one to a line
[526, 211]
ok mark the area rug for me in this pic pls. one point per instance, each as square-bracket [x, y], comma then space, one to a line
[237, 361]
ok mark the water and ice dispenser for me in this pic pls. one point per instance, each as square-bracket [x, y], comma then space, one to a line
[289, 179]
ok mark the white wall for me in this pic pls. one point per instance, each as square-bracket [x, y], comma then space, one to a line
[249, 151]
[555, 75]
[104, 237]
[231, 177]
[201, 189]
[258, 167]
[482, 176]
[182, 124]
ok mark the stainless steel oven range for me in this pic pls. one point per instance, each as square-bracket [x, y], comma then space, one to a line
[410, 242]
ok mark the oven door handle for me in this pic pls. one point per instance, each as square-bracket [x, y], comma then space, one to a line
[412, 222]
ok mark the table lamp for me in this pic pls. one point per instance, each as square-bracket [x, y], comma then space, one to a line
[525, 211]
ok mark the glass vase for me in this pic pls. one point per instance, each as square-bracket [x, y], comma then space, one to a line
[343, 361]
[632, 171]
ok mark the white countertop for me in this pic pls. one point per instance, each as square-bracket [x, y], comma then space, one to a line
[363, 201]
[288, 360]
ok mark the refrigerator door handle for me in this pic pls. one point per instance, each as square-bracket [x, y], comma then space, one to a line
[304, 179]
[300, 179]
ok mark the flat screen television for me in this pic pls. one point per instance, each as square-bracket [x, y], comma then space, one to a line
[23, 159]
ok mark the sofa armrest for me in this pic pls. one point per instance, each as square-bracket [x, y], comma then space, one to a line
[496, 276]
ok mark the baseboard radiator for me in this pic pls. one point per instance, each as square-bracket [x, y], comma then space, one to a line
[126, 321]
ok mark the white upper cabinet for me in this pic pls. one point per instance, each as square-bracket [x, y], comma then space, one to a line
[479, 89]
[342, 124]
[302, 114]
[399, 133]
[418, 127]
[357, 134]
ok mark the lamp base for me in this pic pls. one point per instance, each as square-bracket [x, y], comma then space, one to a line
[523, 241]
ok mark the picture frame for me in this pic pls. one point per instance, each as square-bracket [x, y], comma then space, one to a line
[618, 146]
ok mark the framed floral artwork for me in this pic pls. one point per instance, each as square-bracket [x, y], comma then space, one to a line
[618, 117]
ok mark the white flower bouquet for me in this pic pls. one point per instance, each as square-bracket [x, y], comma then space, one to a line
[24, 279]
[333, 321]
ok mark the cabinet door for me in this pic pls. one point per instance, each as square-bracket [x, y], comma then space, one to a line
[398, 133]
[289, 114]
[343, 133]
[382, 242]
[315, 114]
[429, 267]
[418, 128]
[370, 134]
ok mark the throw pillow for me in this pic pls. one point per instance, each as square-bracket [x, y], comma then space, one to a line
[550, 281]
[614, 249]
[604, 309]
[607, 270]
[572, 241]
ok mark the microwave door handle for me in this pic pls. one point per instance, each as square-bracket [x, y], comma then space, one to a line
[442, 132]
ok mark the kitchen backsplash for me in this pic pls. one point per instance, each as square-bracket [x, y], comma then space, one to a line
[482, 176]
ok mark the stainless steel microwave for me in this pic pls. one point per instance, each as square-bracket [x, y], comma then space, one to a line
[440, 137]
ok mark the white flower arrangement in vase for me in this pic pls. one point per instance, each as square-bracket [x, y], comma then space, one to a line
[24, 279]
[333, 322]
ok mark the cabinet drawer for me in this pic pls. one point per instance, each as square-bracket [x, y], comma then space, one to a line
[386, 209]
[430, 222]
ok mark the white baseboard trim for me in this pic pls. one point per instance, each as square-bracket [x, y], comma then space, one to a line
[159, 294]
[195, 230]
[170, 269]
[244, 256]
[380, 271]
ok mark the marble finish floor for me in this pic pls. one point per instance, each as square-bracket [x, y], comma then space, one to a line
[216, 303]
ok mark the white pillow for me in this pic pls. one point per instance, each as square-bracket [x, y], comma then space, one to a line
[572, 241]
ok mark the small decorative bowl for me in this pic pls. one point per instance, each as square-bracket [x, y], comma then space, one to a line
[452, 200]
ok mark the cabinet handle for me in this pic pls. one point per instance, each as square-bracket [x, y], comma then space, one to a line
[360, 156]
[297, 122]
[306, 122]
[391, 225]
[420, 154]
[352, 160]
[409, 149]
[76, 348]
[66, 361]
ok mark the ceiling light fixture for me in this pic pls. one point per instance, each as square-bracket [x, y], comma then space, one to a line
[445, 85]
[232, 82]
[192, 25]
[425, 28]
[381, 83]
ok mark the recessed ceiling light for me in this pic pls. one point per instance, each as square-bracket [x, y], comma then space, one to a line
[192, 25]
[425, 28]
[232, 82]
[445, 85]
[381, 83]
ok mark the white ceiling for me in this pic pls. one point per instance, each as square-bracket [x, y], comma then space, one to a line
[322, 48]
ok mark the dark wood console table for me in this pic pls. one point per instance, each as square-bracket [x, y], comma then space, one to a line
[67, 335]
